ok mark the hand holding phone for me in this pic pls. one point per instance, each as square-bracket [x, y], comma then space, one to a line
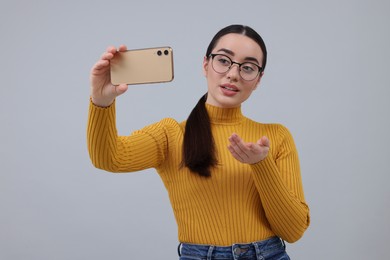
[152, 65]
[103, 93]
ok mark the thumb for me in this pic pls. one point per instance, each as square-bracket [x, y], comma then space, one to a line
[263, 141]
[120, 89]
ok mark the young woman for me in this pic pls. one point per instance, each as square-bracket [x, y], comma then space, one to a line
[234, 184]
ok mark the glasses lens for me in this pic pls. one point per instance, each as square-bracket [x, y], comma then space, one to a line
[249, 71]
[221, 63]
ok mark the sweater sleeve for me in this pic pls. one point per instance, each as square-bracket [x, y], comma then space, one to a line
[145, 148]
[279, 184]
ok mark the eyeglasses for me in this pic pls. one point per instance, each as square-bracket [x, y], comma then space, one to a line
[222, 64]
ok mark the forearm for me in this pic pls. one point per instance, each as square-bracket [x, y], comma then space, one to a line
[284, 205]
[141, 150]
[102, 137]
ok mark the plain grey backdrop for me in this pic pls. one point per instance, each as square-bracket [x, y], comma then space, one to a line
[327, 80]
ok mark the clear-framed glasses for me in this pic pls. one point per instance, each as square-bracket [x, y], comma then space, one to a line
[222, 64]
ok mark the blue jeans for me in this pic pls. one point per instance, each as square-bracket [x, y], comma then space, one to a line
[270, 249]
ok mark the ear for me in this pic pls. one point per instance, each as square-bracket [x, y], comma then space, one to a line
[205, 65]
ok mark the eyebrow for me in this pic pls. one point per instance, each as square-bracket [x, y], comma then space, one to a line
[232, 54]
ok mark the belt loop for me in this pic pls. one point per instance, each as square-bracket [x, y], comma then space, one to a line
[210, 252]
[179, 249]
[258, 252]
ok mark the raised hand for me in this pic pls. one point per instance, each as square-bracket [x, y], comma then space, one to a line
[103, 93]
[248, 152]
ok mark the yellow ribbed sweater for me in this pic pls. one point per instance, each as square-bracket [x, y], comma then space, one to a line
[240, 203]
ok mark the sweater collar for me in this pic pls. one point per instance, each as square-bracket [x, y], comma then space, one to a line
[224, 115]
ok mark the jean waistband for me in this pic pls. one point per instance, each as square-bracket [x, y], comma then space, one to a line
[254, 248]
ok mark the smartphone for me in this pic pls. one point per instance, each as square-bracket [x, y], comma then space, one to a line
[141, 66]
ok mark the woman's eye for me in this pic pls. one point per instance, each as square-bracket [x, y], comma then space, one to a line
[248, 69]
[224, 61]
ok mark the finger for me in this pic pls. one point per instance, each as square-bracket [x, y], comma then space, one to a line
[235, 154]
[122, 88]
[238, 153]
[122, 48]
[239, 145]
[107, 56]
[111, 49]
[234, 143]
[236, 139]
[100, 66]
[264, 141]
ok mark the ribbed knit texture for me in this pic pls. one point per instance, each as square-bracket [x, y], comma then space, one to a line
[239, 203]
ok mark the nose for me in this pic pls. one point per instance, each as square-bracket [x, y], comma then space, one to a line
[234, 72]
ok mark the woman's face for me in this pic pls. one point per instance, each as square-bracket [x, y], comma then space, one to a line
[229, 89]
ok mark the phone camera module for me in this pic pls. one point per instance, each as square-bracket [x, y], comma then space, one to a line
[166, 52]
[159, 53]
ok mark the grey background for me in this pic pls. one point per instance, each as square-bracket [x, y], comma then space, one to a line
[327, 80]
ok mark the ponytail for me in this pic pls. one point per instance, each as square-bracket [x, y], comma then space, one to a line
[199, 153]
[198, 146]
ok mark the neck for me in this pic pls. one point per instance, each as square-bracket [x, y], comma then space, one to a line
[224, 115]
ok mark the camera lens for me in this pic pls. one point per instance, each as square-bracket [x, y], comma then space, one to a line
[166, 52]
[159, 53]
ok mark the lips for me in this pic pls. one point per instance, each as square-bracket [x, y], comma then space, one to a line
[230, 87]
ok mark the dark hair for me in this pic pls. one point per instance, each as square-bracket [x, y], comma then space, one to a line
[199, 153]
[239, 29]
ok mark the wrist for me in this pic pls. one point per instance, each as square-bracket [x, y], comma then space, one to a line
[101, 103]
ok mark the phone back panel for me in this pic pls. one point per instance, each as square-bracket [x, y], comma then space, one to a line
[142, 66]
